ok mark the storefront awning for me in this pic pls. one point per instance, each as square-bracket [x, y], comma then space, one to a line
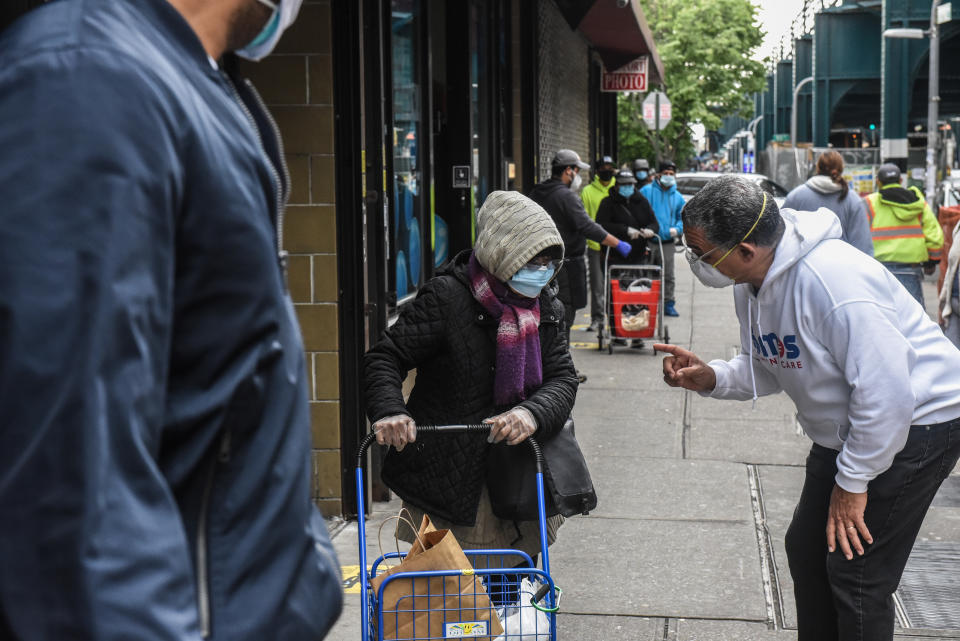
[620, 34]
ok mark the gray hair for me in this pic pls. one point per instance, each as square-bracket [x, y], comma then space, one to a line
[728, 206]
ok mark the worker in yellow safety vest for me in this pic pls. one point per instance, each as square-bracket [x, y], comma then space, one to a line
[592, 195]
[907, 238]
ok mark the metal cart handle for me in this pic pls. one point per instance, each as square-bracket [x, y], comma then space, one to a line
[482, 428]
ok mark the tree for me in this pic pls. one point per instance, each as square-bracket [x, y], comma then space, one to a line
[706, 48]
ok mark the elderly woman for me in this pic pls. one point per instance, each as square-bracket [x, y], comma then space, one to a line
[484, 338]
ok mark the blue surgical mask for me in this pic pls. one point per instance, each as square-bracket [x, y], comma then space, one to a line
[626, 190]
[258, 47]
[530, 279]
[668, 181]
[641, 175]
[284, 13]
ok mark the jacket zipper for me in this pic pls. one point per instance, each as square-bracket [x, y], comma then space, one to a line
[203, 561]
[279, 200]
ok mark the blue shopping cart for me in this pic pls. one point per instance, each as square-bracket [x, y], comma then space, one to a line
[523, 598]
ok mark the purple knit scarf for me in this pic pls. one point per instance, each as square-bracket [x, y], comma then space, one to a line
[519, 370]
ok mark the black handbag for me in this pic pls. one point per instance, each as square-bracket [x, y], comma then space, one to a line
[511, 471]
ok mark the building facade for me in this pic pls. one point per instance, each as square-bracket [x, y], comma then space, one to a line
[398, 118]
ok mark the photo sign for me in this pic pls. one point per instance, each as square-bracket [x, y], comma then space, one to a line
[630, 77]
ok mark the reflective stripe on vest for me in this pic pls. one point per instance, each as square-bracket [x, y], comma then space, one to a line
[905, 231]
[894, 231]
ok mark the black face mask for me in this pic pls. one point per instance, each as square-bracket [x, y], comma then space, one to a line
[605, 174]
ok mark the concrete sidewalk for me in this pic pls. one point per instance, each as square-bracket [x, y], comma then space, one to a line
[694, 499]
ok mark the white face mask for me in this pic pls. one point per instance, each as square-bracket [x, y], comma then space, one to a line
[575, 183]
[283, 16]
[706, 273]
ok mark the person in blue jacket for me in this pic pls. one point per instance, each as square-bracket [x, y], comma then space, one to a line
[667, 204]
[155, 436]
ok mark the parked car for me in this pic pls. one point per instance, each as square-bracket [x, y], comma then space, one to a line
[689, 183]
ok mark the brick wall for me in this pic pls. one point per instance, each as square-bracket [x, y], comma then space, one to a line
[563, 81]
[296, 82]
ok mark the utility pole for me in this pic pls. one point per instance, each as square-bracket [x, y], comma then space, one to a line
[933, 94]
[656, 131]
[933, 107]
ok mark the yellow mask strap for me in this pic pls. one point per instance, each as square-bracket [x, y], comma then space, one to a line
[747, 235]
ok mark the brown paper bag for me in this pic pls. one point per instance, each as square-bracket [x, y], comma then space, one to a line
[436, 607]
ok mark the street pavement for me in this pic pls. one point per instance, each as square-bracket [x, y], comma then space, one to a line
[695, 495]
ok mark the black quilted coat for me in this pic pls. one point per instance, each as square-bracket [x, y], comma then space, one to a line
[450, 339]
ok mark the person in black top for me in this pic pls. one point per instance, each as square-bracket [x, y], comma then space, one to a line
[625, 213]
[558, 196]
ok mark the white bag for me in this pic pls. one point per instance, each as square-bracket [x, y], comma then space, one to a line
[523, 622]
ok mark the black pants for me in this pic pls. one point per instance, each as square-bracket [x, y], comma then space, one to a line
[852, 600]
[572, 292]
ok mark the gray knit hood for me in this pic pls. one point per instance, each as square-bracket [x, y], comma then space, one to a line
[511, 230]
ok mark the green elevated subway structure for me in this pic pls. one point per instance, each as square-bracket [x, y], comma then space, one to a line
[862, 79]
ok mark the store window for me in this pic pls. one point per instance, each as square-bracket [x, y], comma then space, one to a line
[489, 97]
[407, 253]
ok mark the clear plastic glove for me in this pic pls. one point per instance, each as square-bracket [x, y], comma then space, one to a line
[395, 430]
[674, 232]
[647, 233]
[513, 426]
[633, 232]
[624, 248]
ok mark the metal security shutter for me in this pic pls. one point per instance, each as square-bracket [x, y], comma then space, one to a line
[563, 114]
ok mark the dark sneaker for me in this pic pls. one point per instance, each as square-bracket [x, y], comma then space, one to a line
[618, 341]
[670, 310]
[594, 326]
[636, 344]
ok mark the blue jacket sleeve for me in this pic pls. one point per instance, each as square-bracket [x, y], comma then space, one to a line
[86, 270]
[678, 203]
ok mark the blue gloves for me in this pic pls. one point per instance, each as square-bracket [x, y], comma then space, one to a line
[624, 248]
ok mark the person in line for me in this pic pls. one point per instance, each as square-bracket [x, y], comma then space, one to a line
[627, 213]
[875, 382]
[558, 196]
[667, 204]
[592, 195]
[829, 189]
[949, 299]
[486, 339]
[907, 238]
[641, 170]
[155, 449]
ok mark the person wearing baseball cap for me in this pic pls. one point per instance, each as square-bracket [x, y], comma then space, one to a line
[907, 238]
[667, 204]
[592, 195]
[558, 196]
[641, 170]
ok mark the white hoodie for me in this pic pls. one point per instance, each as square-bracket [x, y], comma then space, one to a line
[859, 357]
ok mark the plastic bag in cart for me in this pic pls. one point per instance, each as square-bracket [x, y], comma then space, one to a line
[640, 285]
[523, 622]
[635, 318]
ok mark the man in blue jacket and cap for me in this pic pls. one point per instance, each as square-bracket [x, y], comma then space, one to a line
[155, 441]
[667, 204]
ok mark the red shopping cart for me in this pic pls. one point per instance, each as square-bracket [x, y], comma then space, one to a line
[633, 304]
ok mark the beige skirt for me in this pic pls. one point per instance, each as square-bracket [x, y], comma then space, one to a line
[490, 531]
